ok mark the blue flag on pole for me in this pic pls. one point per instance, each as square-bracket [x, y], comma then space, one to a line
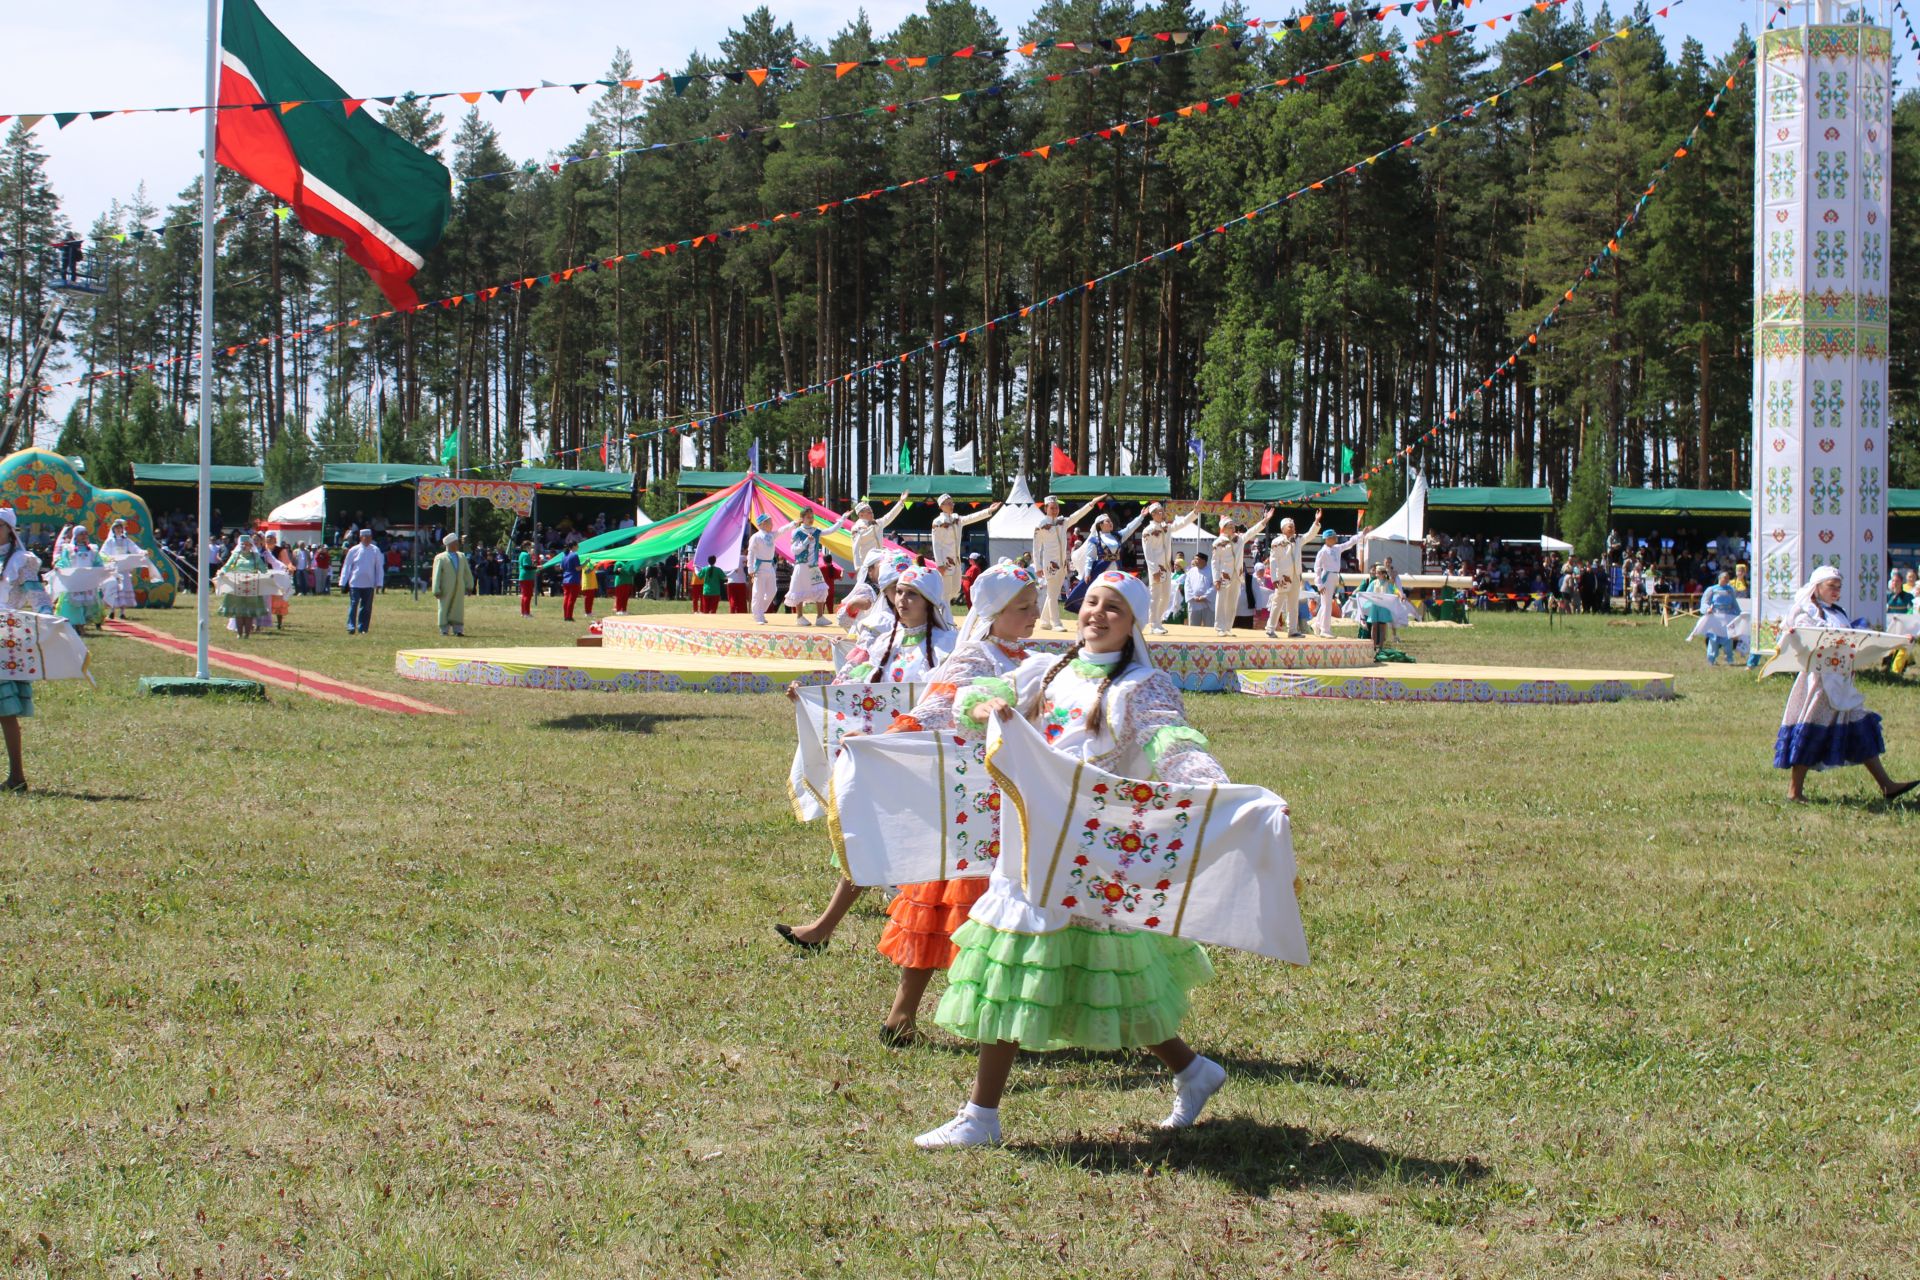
[753, 456]
[1199, 447]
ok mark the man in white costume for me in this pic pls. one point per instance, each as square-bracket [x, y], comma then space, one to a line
[1326, 579]
[1230, 570]
[1284, 563]
[947, 535]
[451, 581]
[763, 565]
[1156, 547]
[867, 532]
[1050, 555]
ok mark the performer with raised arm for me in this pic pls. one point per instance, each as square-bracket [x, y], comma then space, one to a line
[1284, 563]
[1156, 548]
[1050, 555]
[1827, 724]
[1326, 579]
[763, 565]
[1230, 569]
[947, 536]
[867, 532]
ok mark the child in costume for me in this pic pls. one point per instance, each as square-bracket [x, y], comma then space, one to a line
[244, 610]
[920, 639]
[79, 607]
[1042, 977]
[19, 567]
[922, 917]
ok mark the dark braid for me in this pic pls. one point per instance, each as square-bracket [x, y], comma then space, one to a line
[1097, 716]
[893, 638]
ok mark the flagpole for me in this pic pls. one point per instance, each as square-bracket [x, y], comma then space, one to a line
[206, 329]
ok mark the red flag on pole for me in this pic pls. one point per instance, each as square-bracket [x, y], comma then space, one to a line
[1062, 464]
[817, 455]
[603, 451]
[1270, 462]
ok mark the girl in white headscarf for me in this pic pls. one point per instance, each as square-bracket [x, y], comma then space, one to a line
[922, 917]
[1042, 977]
[119, 592]
[240, 608]
[1827, 724]
[921, 638]
[79, 607]
[18, 568]
[868, 607]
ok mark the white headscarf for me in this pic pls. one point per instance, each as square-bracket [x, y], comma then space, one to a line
[993, 591]
[927, 583]
[1803, 599]
[1139, 600]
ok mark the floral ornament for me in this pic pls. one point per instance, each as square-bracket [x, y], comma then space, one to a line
[1870, 405]
[1871, 254]
[1869, 491]
[1830, 255]
[1780, 254]
[1779, 490]
[974, 824]
[1782, 171]
[1831, 96]
[1830, 175]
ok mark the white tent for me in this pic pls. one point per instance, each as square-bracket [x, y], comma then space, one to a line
[1543, 542]
[1010, 531]
[1401, 536]
[304, 514]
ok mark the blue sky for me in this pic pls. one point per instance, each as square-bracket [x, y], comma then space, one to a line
[99, 54]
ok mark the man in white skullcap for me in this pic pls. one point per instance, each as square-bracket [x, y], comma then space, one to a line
[867, 532]
[1326, 578]
[1050, 555]
[763, 565]
[1156, 548]
[947, 535]
[1289, 575]
[452, 580]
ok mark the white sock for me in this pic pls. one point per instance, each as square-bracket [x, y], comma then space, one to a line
[985, 1115]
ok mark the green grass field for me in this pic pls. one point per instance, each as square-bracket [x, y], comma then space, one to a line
[291, 988]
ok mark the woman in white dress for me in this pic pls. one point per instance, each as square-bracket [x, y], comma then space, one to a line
[120, 589]
[1827, 724]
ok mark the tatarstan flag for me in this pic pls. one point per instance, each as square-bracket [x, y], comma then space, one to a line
[344, 173]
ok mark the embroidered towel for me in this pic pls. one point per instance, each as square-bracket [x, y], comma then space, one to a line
[822, 714]
[914, 807]
[39, 646]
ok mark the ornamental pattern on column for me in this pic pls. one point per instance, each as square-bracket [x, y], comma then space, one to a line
[1821, 317]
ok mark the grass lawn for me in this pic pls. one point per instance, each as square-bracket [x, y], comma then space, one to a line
[292, 988]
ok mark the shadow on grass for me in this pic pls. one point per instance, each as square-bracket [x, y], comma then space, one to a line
[87, 797]
[613, 722]
[1142, 1071]
[1258, 1159]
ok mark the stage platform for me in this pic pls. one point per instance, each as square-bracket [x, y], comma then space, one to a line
[1436, 682]
[605, 670]
[1196, 657]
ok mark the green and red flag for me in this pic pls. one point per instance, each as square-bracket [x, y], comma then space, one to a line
[344, 173]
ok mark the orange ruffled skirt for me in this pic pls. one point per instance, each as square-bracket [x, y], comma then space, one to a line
[922, 919]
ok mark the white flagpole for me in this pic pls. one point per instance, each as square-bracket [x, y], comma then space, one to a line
[206, 328]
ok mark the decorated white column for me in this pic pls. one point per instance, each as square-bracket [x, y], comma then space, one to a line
[1821, 181]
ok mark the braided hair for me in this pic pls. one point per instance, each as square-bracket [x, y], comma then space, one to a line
[1097, 716]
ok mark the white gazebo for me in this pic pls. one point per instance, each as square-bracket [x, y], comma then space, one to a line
[301, 517]
[1401, 536]
[1010, 531]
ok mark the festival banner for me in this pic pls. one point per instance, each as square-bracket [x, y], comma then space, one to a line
[507, 495]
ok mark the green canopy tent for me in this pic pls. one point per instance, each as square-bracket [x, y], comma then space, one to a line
[572, 499]
[1490, 511]
[357, 491]
[172, 489]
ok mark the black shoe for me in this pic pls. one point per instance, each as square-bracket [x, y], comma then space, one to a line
[897, 1037]
[1901, 790]
[786, 931]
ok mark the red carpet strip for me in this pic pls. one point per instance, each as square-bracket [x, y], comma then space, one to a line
[310, 683]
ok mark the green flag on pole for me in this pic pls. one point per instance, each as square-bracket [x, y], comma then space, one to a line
[906, 458]
[450, 448]
[1346, 461]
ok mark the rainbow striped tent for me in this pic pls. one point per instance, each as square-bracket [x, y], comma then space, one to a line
[719, 523]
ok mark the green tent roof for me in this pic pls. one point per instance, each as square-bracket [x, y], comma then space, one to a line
[714, 481]
[963, 488]
[608, 482]
[188, 473]
[373, 475]
[1683, 502]
[1903, 502]
[1127, 488]
[1294, 493]
[1490, 498]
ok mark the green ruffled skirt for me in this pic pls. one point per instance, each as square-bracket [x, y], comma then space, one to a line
[16, 698]
[1073, 989]
[232, 606]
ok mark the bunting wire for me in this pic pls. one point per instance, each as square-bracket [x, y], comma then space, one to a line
[759, 76]
[710, 239]
[1279, 30]
[1531, 345]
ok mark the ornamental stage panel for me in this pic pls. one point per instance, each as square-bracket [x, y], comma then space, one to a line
[1437, 682]
[1198, 659]
[564, 669]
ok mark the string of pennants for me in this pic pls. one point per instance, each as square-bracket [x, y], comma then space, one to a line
[1506, 368]
[759, 76]
[1156, 59]
[712, 239]
[1351, 173]
[1913, 40]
